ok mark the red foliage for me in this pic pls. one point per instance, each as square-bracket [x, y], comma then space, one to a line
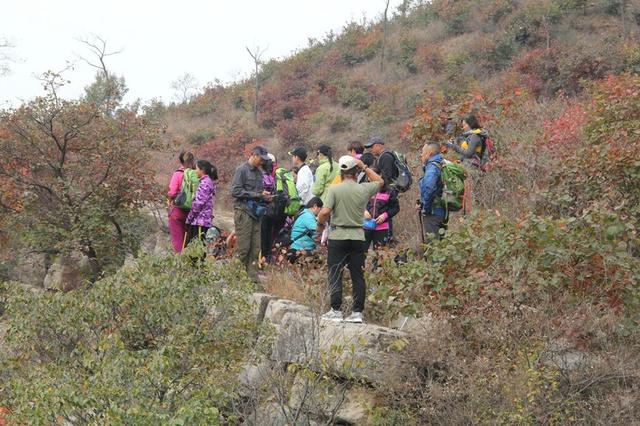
[566, 130]
[227, 153]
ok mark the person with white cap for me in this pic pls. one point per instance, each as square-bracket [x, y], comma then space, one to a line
[344, 204]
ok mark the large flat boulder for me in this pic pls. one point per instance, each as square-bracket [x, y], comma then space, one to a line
[354, 351]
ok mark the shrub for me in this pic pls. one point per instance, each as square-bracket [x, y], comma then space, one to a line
[200, 136]
[406, 56]
[340, 124]
[159, 342]
[602, 170]
[354, 97]
[495, 261]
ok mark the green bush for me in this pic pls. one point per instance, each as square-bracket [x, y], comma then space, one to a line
[500, 262]
[353, 97]
[157, 343]
[200, 136]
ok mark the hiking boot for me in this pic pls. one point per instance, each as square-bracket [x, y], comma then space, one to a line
[333, 315]
[355, 317]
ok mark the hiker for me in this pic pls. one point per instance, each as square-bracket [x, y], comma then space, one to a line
[249, 197]
[380, 209]
[344, 204]
[355, 149]
[303, 231]
[471, 145]
[370, 160]
[294, 172]
[201, 213]
[178, 216]
[304, 181]
[325, 173]
[270, 220]
[433, 214]
[386, 163]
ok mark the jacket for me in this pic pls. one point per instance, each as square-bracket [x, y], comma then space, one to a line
[246, 185]
[472, 145]
[201, 212]
[306, 222]
[176, 183]
[324, 177]
[387, 165]
[304, 184]
[384, 203]
[431, 186]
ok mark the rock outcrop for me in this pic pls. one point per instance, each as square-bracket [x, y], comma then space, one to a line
[319, 371]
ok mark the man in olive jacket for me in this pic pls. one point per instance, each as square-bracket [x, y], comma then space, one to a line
[247, 191]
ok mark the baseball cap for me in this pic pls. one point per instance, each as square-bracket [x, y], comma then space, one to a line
[261, 151]
[299, 152]
[347, 162]
[374, 140]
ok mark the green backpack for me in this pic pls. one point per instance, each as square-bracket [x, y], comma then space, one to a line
[190, 182]
[453, 177]
[286, 186]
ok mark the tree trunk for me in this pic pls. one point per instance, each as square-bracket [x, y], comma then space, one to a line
[384, 37]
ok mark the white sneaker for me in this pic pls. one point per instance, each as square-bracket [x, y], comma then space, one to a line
[355, 317]
[333, 315]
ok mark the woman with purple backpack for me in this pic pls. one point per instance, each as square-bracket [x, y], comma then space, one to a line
[201, 214]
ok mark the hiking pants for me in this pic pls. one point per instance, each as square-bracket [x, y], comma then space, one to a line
[341, 254]
[177, 227]
[432, 225]
[196, 232]
[248, 241]
[379, 238]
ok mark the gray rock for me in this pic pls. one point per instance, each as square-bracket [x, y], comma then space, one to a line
[29, 268]
[353, 351]
[259, 303]
[277, 309]
[68, 272]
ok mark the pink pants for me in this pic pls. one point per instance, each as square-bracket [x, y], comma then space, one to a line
[177, 227]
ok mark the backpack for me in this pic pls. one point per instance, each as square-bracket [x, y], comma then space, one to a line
[453, 176]
[190, 182]
[287, 191]
[404, 180]
[489, 154]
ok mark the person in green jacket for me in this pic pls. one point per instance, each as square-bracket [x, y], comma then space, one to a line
[325, 173]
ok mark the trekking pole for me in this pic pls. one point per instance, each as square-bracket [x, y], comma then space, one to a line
[421, 227]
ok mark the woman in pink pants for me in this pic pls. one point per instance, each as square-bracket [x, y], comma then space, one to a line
[178, 216]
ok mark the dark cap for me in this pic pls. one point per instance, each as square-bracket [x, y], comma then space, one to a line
[261, 151]
[373, 141]
[300, 152]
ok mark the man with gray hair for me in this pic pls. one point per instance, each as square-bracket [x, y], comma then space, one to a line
[345, 204]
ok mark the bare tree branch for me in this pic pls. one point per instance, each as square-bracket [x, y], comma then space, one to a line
[256, 55]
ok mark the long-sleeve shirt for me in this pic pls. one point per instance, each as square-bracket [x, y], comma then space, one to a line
[201, 212]
[387, 165]
[304, 184]
[305, 224]
[384, 203]
[431, 186]
[176, 183]
[325, 175]
[246, 185]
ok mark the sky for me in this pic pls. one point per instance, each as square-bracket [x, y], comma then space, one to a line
[161, 40]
